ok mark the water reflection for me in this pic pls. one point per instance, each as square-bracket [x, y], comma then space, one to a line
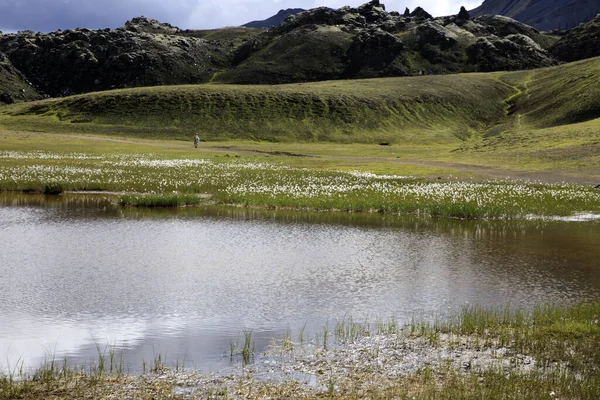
[77, 273]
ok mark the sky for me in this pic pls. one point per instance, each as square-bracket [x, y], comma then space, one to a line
[50, 15]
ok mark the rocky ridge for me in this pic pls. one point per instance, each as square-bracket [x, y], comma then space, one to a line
[579, 43]
[318, 44]
[143, 53]
[13, 85]
[367, 41]
[275, 19]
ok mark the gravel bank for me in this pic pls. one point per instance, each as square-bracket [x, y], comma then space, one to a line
[288, 370]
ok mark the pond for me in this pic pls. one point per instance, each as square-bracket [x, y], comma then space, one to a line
[79, 275]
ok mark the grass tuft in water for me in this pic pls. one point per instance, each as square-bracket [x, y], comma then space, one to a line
[159, 200]
[53, 188]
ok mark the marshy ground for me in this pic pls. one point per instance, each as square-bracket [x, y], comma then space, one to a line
[550, 352]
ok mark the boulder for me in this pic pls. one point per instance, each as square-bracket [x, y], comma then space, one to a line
[515, 52]
[431, 33]
[148, 25]
[420, 14]
[6, 98]
[373, 12]
[371, 53]
[503, 26]
[463, 15]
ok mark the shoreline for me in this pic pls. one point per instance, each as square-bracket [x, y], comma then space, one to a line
[548, 353]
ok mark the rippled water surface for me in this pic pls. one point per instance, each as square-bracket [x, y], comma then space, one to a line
[79, 274]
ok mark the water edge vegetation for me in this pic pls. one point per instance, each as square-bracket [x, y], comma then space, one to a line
[547, 352]
[156, 180]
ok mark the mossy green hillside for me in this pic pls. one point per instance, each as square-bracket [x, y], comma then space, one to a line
[424, 109]
[561, 95]
[525, 124]
[418, 109]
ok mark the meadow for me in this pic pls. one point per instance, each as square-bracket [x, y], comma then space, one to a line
[519, 145]
[155, 179]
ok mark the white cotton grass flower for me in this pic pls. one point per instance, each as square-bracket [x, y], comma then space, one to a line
[242, 180]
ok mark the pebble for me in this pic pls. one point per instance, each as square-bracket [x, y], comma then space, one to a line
[308, 368]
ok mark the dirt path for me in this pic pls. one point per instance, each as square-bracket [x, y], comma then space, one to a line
[480, 171]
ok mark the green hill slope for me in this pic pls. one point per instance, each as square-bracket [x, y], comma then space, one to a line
[561, 95]
[426, 109]
[420, 109]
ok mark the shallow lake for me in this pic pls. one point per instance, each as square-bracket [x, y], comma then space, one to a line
[78, 274]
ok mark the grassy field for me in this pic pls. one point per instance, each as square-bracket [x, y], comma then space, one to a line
[436, 145]
[541, 124]
[417, 109]
[173, 173]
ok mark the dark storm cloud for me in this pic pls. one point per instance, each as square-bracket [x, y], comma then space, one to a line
[50, 15]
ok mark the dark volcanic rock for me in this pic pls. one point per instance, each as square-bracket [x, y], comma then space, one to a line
[431, 33]
[372, 53]
[275, 19]
[420, 14]
[14, 86]
[514, 52]
[502, 26]
[147, 25]
[6, 98]
[579, 43]
[463, 15]
[324, 43]
[83, 60]
[318, 44]
[373, 12]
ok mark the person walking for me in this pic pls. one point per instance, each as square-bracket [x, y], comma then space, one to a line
[196, 140]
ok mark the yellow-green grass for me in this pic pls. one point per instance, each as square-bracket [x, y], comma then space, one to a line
[561, 95]
[397, 110]
[267, 178]
[159, 200]
[467, 125]
[438, 109]
[235, 34]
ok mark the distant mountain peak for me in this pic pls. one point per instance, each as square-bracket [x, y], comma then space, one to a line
[542, 14]
[275, 19]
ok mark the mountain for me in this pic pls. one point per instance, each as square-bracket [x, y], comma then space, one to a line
[369, 42]
[579, 43]
[314, 45]
[275, 19]
[542, 14]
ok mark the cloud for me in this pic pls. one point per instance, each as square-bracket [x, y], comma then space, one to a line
[214, 14]
[49, 15]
